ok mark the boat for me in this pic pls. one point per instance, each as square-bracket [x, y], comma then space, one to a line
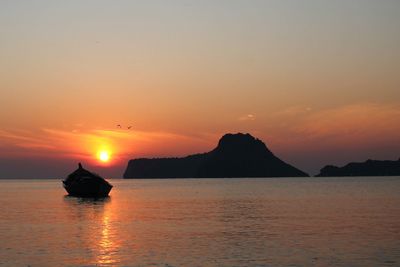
[83, 183]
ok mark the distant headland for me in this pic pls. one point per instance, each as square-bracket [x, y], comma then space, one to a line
[237, 155]
[367, 168]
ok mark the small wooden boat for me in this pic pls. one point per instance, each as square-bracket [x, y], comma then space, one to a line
[83, 183]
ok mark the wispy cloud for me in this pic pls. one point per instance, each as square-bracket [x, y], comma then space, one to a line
[247, 117]
[295, 129]
[352, 125]
[85, 143]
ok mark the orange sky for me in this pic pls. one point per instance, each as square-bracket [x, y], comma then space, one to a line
[318, 82]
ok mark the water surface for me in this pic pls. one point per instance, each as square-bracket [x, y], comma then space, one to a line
[204, 222]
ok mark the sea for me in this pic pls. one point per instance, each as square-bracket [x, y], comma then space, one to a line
[204, 222]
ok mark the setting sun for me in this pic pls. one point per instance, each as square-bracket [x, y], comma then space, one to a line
[104, 156]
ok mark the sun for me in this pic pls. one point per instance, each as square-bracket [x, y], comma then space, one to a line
[104, 156]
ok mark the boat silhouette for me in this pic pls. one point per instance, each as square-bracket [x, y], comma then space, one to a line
[83, 183]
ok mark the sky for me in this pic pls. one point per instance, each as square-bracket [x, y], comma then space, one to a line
[318, 81]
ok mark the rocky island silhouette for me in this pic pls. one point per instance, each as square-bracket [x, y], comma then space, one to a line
[237, 155]
[367, 168]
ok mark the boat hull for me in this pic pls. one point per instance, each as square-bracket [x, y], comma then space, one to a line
[88, 189]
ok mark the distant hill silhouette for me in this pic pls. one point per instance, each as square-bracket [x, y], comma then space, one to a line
[367, 168]
[237, 155]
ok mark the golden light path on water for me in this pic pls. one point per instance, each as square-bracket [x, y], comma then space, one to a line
[204, 222]
[106, 244]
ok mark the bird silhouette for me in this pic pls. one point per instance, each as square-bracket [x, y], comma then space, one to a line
[129, 127]
[119, 125]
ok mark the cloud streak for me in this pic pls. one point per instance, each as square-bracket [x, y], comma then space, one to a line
[345, 127]
[299, 134]
[247, 117]
[84, 144]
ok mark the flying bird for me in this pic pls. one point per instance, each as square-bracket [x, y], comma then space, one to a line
[119, 125]
[129, 127]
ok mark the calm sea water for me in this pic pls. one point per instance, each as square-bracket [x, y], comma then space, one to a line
[204, 222]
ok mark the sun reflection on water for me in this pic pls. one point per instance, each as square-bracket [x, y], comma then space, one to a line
[97, 234]
[106, 244]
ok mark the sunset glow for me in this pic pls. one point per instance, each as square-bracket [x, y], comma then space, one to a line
[104, 156]
[217, 133]
[105, 89]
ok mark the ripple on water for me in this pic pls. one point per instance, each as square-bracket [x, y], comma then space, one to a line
[221, 222]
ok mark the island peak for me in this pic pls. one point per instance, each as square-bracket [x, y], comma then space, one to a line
[236, 155]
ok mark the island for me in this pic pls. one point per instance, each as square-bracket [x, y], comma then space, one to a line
[236, 155]
[367, 168]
